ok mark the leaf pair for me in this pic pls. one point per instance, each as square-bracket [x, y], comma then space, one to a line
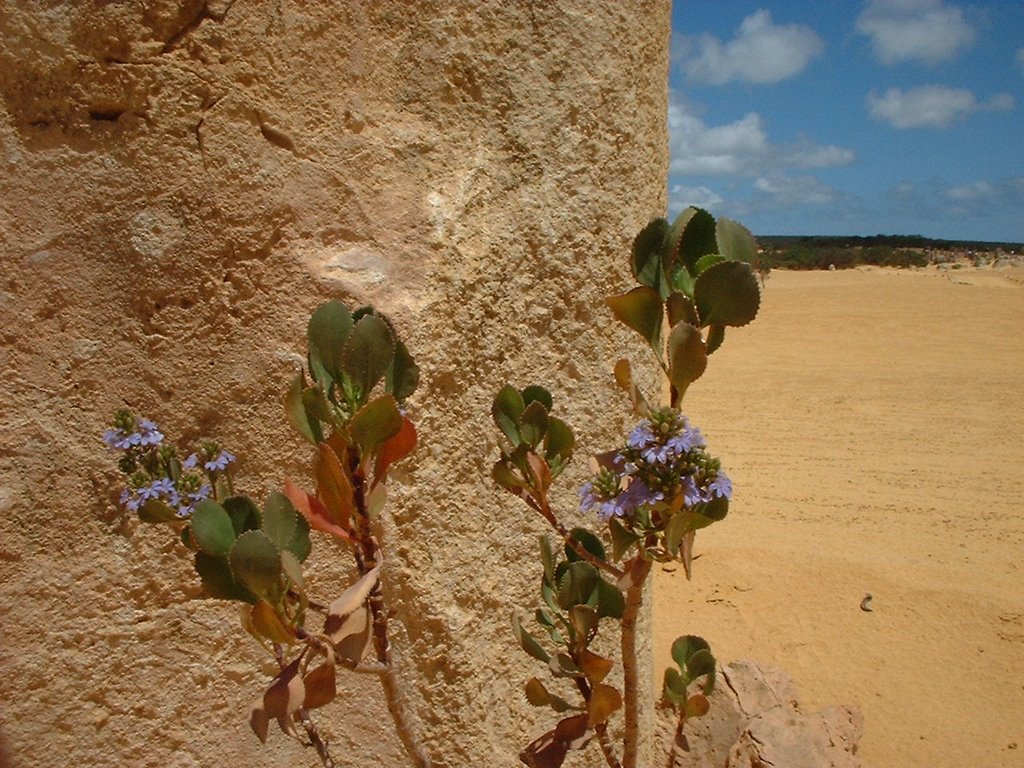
[349, 355]
[244, 553]
[694, 661]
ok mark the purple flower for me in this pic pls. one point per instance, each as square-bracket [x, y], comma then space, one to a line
[685, 442]
[220, 462]
[191, 462]
[185, 510]
[148, 432]
[642, 436]
[721, 485]
[658, 454]
[120, 440]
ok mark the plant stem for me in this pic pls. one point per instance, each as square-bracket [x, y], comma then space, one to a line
[315, 739]
[367, 557]
[568, 538]
[601, 729]
[679, 745]
[638, 573]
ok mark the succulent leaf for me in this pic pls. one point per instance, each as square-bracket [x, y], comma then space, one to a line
[212, 528]
[727, 294]
[642, 310]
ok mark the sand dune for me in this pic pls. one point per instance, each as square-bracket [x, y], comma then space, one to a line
[873, 424]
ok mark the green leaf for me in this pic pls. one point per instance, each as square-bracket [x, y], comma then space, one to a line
[539, 696]
[622, 538]
[727, 294]
[735, 241]
[317, 407]
[285, 527]
[212, 528]
[328, 330]
[218, 582]
[577, 584]
[528, 642]
[507, 408]
[697, 238]
[375, 423]
[716, 509]
[687, 357]
[537, 394]
[298, 415]
[700, 663]
[687, 648]
[256, 564]
[590, 542]
[547, 621]
[368, 353]
[559, 441]
[611, 603]
[533, 424]
[244, 514]
[292, 568]
[157, 511]
[547, 558]
[708, 261]
[403, 376]
[716, 335]
[647, 256]
[682, 281]
[642, 310]
[673, 688]
[681, 310]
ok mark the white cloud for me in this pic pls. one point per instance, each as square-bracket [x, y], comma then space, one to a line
[680, 196]
[761, 52]
[739, 148]
[928, 31]
[977, 190]
[972, 200]
[796, 190]
[930, 105]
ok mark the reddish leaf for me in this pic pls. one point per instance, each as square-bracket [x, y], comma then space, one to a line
[595, 667]
[314, 511]
[284, 696]
[321, 683]
[394, 449]
[624, 378]
[549, 750]
[334, 488]
[540, 476]
[604, 700]
[697, 705]
[265, 621]
[258, 720]
[342, 608]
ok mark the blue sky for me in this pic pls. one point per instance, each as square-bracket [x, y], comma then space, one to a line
[851, 117]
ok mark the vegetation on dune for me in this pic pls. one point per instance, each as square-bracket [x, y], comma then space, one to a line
[821, 252]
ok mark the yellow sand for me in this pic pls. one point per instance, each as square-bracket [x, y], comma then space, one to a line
[873, 424]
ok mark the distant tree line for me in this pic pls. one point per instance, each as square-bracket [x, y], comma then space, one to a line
[820, 252]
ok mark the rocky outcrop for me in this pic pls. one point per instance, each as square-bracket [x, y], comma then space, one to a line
[756, 721]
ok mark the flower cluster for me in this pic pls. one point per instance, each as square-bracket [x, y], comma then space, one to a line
[154, 472]
[664, 458]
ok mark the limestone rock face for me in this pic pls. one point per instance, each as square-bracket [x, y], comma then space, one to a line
[181, 183]
[756, 721]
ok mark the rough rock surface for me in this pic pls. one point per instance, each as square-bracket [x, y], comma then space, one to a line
[181, 183]
[756, 721]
